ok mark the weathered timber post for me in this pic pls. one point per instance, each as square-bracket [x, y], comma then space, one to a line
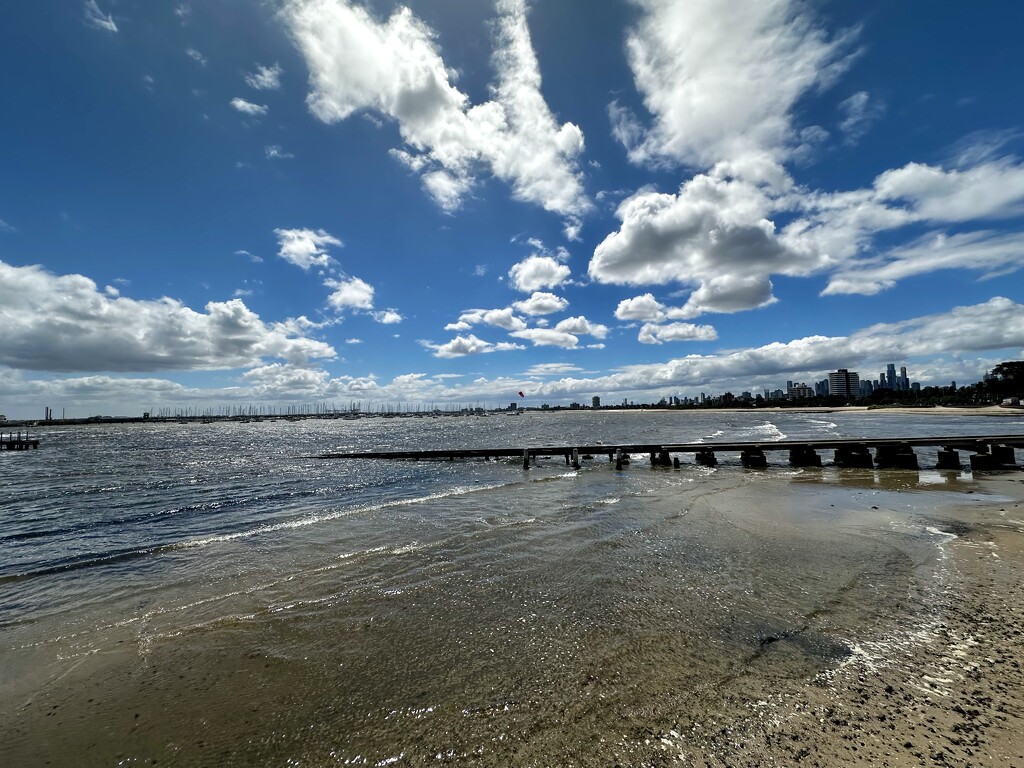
[567, 459]
[618, 458]
[804, 456]
[664, 459]
[1003, 454]
[853, 457]
[526, 458]
[575, 458]
[753, 458]
[706, 458]
[654, 459]
[895, 456]
[675, 462]
[983, 462]
[948, 458]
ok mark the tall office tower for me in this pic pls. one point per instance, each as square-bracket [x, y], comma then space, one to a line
[890, 376]
[904, 381]
[844, 383]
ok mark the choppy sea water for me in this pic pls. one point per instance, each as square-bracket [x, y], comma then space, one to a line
[207, 594]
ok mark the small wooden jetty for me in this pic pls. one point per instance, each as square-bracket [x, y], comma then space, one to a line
[988, 452]
[17, 442]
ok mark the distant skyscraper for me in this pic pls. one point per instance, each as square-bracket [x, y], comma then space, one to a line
[904, 381]
[890, 376]
[596, 402]
[844, 383]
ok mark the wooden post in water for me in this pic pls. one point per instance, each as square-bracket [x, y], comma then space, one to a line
[948, 459]
[575, 458]
[526, 458]
[706, 458]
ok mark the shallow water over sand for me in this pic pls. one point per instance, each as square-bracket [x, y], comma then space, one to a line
[203, 595]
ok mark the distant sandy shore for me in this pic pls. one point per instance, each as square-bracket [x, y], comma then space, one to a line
[939, 410]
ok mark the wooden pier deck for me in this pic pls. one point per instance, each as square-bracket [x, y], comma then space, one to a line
[18, 442]
[987, 452]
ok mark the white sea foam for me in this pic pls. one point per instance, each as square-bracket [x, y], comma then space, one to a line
[329, 516]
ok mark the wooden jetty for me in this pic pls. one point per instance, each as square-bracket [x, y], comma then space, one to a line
[17, 442]
[988, 452]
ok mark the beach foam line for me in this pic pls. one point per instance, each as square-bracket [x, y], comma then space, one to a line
[93, 560]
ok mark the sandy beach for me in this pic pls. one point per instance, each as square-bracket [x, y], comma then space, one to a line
[478, 615]
[951, 693]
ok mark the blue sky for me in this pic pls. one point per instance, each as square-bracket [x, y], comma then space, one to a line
[234, 202]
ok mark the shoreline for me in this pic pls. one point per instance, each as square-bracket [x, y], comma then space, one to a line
[902, 648]
[949, 693]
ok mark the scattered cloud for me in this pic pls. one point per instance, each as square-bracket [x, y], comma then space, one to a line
[991, 253]
[95, 18]
[499, 318]
[274, 152]
[394, 68]
[387, 317]
[548, 337]
[248, 108]
[658, 334]
[5, 227]
[265, 78]
[541, 303]
[306, 248]
[536, 272]
[461, 346]
[579, 326]
[196, 56]
[350, 293]
[859, 113]
[552, 369]
[64, 323]
[251, 256]
[353, 341]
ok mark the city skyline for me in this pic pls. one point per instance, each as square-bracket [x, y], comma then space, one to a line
[299, 201]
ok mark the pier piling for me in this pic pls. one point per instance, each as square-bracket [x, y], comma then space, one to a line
[753, 458]
[706, 458]
[853, 457]
[895, 456]
[948, 458]
[804, 456]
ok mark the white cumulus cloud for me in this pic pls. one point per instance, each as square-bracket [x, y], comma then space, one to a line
[394, 67]
[461, 346]
[306, 248]
[65, 323]
[541, 303]
[350, 293]
[721, 78]
[536, 272]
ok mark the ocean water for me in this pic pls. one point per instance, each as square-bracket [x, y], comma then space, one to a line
[210, 595]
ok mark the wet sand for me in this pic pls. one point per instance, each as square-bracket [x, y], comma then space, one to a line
[949, 694]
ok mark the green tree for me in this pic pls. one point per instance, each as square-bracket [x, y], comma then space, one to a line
[1010, 378]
